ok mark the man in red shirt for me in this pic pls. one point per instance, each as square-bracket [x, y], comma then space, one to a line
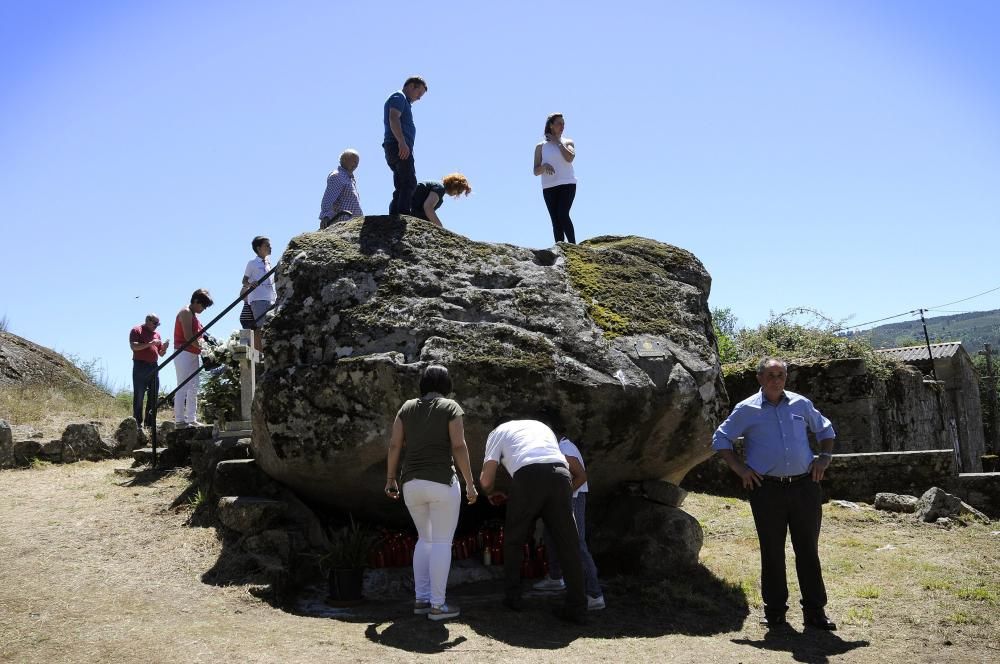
[146, 347]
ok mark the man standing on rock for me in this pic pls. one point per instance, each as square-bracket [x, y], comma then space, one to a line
[340, 199]
[146, 347]
[542, 486]
[784, 482]
[400, 134]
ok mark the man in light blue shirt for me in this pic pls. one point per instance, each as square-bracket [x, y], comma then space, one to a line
[783, 477]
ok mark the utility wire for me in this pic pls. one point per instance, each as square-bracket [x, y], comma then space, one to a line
[948, 304]
[917, 311]
[851, 327]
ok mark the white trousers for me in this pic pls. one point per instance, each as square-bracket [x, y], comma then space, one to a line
[434, 509]
[186, 399]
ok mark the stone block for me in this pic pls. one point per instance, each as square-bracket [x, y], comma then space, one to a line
[249, 515]
[894, 502]
[83, 442]
[240, 477]
[664, 493]
[936, 504]
[633, 535]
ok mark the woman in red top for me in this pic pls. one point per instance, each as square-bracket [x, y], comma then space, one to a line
[187, 326]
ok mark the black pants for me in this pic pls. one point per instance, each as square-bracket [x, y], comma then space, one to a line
[543, 489]
[144, 384]
[404, 179]
[779, 508]
[559, 199]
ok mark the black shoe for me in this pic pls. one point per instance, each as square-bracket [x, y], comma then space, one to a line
[773, 621]
[819, 621]
[514, 603]
[570, 616]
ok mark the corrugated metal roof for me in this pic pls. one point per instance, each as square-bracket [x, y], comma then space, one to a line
[911, 353]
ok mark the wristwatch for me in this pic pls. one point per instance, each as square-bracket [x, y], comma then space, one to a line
[828, 455]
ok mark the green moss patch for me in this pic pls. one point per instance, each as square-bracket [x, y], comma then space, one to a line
[633, 285]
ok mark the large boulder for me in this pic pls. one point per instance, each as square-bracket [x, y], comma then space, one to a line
[936, 503]
[614, 334]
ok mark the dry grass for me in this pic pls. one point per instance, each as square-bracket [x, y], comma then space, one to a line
[97, 568]
[50, 409]
[906, 584]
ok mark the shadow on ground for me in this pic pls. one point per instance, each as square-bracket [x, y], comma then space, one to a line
[694, 603]
[810, 645]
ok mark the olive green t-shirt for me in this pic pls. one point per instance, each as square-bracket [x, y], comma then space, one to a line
[428, 445]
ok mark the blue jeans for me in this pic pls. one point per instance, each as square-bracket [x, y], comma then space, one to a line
[404, 179]
[144, 384]
[590, 582]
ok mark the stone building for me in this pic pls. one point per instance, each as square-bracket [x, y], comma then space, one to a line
[962, 410]
[902, 412]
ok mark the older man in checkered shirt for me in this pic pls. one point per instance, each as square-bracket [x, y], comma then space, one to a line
[340, 200]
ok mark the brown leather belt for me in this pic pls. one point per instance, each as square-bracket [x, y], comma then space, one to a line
[788, 479]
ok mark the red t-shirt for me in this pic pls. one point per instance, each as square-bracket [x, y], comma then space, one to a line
[179, 334]
[140, 334]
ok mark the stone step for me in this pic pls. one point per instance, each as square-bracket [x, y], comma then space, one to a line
[165, 457]
[249, 514]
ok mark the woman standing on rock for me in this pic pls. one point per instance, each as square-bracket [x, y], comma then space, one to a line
[431, 430]
[554, 162]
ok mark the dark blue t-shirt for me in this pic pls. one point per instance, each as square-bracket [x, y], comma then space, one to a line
[420, 195]
[398, 101]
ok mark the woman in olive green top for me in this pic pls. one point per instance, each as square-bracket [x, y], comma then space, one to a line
[431, 430]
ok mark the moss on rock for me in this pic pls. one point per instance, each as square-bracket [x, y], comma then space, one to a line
[637, 286]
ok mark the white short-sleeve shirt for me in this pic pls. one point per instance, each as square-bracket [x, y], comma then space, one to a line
[520, 443]
[569, 449]
[256, 269]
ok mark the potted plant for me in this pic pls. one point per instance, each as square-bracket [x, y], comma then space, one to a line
[346, 560]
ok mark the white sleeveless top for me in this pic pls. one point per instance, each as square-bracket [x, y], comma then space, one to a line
[552, 155]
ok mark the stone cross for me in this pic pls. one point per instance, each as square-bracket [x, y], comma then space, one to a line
[248, 358]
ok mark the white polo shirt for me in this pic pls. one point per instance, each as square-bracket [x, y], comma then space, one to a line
[569, 448]
[256, 269]
[520, 443]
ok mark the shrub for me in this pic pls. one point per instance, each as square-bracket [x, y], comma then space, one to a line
[220, 391]
[814, 338]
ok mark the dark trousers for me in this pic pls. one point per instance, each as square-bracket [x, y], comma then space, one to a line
[558, 200]
[779, 508]
[404, 179]
[144, 384]
[543, 489]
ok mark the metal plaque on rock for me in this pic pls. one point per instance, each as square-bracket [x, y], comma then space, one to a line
[649, 347]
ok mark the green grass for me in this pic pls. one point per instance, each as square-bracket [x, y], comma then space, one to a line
[979, 594]
[868, 592]
[937, 584]
[198, 499]
[859, 615]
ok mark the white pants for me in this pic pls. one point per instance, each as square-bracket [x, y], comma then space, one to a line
[186, 399]
[434, 509]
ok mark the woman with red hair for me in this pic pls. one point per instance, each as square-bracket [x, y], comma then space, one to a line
[429, 196]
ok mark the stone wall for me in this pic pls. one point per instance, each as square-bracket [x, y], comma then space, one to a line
[904, 412]
[851, 476]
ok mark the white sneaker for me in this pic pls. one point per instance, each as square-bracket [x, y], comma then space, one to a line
[443, 612]
[548, 583]
[421, 608]
[595, 603]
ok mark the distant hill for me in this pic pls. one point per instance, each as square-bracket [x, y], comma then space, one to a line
[972, 329]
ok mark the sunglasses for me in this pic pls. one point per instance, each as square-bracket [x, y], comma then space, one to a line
[154, 322]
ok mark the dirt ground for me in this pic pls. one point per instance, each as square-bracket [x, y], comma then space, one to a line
[96, 567]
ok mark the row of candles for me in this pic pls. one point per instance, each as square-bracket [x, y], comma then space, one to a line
[396, 550]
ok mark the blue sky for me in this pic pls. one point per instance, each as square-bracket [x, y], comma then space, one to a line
[843, 156]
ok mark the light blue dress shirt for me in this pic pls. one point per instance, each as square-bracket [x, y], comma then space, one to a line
[774, 436]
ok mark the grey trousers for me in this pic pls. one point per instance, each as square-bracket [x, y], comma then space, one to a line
[590, 582]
